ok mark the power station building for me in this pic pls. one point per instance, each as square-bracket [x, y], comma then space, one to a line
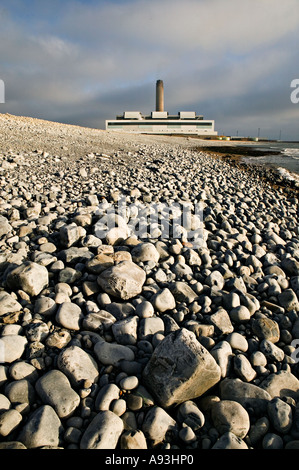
[160, 122]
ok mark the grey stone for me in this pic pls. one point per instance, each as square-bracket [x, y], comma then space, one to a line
[77, 365]
[70, 234]
[12, 347]
[45, 306]
[280, 415]
[243, 368]
[148, 327]
[41, 429]
[271, 351]
[112, 353]
[145, 252]
[8, 304]
[4, 403]
[163, 301]
[106, 395]
[5, 227]
[124, 280]
[272, 441]
[37, 331]
[230, 416]
[20, 391]
[180, 369]
[182, 292]
[229, 440]
[54, 389]
[9, 421]
[98, 321]
[288, 300]
[237, 341]
[133, 440]
[190, 414]
[157, 424]
[29, 277]
[247, 394]
[221, 322]
[265, 328]
[222, 353]
[281, 384]
[240, 314]
[129, 383]
[69, 315]
[23, 370]
[125, 331]
[103, 432]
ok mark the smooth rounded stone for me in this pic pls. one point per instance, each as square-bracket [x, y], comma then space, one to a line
[68, 276]
[290, 266]
[54, 389]
[8, 304]
[118, 406]
[12, 445]
[103, 432]
[124, 280]
[116, 235]
[4, 403]
[215, 279]
[281, 384]
[125, 331]
[163, 301]
[271, 351]
[187, 435]
[20, 391]
[5, 226]
[222, 353]
[133, 440]
[145, 309]
[180, 369]
[112, 353]
[258, 430]
[77, 365]
[292, 445]
[280, 415]
[23, 370]
[106, 395]
[243, 368]
[258, 359]
[230, 416]
[41, 429]
[237, 341]
[272, 441]
[148, 327]
[145, 252]
[157, 423]
[182, 292]
[45, 306]
[265, 328]
[221, 322]
[9, 421]
[30, 277]
[288, 300]
[229, 440]
[129, 383]
[190, 414]
[231, 300]
[70, 234]
[129, 420]
[12, 347]
[247, 394]
[70, 316]
[8, 330]
[37, 331]
[239, 314]
[3, 374]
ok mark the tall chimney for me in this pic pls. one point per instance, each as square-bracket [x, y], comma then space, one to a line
[159, 95]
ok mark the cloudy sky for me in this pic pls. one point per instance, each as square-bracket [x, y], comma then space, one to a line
[81, 62]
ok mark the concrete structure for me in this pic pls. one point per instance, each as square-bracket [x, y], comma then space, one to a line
[160, 122]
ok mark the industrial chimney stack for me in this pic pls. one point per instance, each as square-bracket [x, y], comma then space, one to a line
[159, 95]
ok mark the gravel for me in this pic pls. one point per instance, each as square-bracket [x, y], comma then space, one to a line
[121, 329]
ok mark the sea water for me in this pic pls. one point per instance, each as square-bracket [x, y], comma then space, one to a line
[287, 162]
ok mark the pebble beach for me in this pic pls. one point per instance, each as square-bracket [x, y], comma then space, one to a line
[113, 337]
